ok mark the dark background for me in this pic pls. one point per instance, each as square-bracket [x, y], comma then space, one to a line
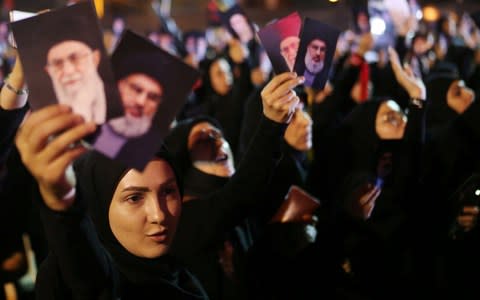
[190, 14]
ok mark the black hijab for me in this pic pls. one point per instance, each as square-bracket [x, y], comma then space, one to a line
[439, 114]
[359, 151]
[197, 183]
[98, 177]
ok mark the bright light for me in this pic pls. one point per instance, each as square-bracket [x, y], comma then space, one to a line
[419, 15]
[332, 1]
[477, 192]
[431, 13]
[377, 26]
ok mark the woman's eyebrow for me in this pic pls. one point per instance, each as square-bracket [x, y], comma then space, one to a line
[136, 189]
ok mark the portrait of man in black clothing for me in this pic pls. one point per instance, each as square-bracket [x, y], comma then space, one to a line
[152, 85]
[315, 54]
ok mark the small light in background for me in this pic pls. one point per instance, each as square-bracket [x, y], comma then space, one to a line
[333, 1]
[431, 13]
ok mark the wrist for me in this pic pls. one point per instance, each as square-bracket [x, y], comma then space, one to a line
[15, 85]
[418, 102]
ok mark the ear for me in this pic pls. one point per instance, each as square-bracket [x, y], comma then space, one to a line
[96, 57]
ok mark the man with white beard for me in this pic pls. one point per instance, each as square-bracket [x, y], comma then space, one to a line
[314, 60]
[73, 68]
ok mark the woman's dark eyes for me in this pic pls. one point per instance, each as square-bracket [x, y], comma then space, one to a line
[168, 190]
[134, 197]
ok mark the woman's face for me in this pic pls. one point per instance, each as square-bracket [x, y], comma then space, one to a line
[390, 121]
[145, 209]
[459, 96]
[221, 77]
[209, 150]
[299, 132]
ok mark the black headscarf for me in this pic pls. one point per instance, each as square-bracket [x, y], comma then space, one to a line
[359, 150]
[437, 83]
[197, 183]
[98, 177]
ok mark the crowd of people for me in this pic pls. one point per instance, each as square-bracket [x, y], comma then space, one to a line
[388, 148]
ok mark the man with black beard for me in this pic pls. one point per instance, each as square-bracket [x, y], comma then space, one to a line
[141, 94]
[314, 60]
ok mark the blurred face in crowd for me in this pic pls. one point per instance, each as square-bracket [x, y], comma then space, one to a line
[390, 121]
[288, 49]
[314, 59]
[196, 46]
[299, 132]
[72, 67]
[118, 25]
[221, 76]
[145, 209]
[241, 26]
[209, 151]
[141, 95]
[422, 44]
[459, 96]
[363, 22]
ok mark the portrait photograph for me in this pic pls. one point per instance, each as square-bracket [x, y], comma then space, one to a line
[65, 61]
[238, 23]
[153, 86]
[281, 41]
[315, 53]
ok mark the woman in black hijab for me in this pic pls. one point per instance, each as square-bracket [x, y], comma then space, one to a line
[206, 162]
[372, 166]
[451, 159]
[122, 248]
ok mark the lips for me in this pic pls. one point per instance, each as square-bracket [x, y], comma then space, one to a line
[158, 237]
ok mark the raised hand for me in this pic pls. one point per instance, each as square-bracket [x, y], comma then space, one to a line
[48, 144]
[405, 77]
[467, 219]
[362, 201]
[279, 99]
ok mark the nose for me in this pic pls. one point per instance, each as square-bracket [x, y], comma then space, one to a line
[68, 67]
[154, 211]
[141, 99]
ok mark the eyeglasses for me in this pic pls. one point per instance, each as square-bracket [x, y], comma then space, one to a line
[137, 90]
[75, 59]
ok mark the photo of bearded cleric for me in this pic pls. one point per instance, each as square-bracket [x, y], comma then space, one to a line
[65, 62]
[281, 41]
[153, 86]
[315, 54]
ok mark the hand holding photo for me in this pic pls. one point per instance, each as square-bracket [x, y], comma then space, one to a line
[315, 54]
[152, 85]
[281, 40]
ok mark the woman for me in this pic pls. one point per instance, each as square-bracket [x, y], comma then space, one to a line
[451, 159]
[128, 257]
[372, 164]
